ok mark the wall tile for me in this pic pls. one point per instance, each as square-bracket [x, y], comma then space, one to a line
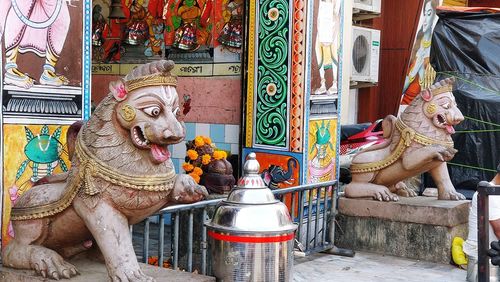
[202, 129]
[234, 149]
[217, 132]
[190, 131]
[179, 150]
[232, 133]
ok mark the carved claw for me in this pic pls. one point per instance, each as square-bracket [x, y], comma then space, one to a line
[186, 190]
[451, 195]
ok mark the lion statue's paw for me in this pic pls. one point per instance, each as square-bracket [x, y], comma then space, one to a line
[130, 276]
[186, 190]
[50, 264]
[451, 195]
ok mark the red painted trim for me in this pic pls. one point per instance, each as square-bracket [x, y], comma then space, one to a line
[251, 239]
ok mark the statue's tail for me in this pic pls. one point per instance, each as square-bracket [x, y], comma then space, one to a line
[71, 137]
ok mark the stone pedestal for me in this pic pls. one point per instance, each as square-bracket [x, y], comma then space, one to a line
[418, 228]
[96, 272]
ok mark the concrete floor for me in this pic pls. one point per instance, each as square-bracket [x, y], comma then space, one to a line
[369, 267]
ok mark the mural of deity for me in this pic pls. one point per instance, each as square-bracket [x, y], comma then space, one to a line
[327, 42]
[231, 34]
[321, 166]
[188, 24]
[420, 71]
[38, 26]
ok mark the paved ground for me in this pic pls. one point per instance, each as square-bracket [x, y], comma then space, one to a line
[369, 267]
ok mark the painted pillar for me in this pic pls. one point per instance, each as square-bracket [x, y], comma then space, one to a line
[292, 90]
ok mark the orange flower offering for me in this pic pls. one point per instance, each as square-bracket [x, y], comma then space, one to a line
[196, 177]
[207, 140]
[198, 171]
[192, 154]
[205, 159]
[220, 155]
[187, 167]
[198, 141]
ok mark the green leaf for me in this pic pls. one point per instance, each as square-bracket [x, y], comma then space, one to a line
[21, 169]
[64, 167]
[45, 130]
[29, 134]
[57, 133]
[169, 28]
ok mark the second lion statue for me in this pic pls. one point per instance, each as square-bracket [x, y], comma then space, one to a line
[121, 173]
[418, 141]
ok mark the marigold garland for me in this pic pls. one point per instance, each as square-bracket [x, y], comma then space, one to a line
[205, 159]
[198, 171]
[198, 141]
[200, 152]
[192, 154]
[187, 167]
[207, 140]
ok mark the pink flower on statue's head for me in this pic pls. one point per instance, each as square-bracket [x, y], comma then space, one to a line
[122, 92]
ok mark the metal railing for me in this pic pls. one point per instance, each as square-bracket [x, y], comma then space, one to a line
[311, 206]
[484, 190]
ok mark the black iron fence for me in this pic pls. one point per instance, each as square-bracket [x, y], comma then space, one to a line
[484, 189]
[177, 238]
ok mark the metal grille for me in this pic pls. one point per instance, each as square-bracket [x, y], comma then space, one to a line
[177, 235]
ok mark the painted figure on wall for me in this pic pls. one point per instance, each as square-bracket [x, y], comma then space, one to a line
[155, 45]
[188, 24]
[38, 26]
[420, 73]
[322, 152]
[326, 46]
[32, 152]
[231, 34]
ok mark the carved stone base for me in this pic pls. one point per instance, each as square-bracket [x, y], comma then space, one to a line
[417, 228]
[96, 272]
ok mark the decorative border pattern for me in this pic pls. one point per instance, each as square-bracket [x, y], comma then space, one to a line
[250, 75]
[271, 101]
[87, 58]
[297, 103]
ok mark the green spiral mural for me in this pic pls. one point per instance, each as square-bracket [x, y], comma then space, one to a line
[272, 78]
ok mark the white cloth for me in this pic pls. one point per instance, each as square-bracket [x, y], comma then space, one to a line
[470, 245]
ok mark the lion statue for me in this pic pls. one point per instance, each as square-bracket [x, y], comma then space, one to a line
[418, 141]
[121, 173]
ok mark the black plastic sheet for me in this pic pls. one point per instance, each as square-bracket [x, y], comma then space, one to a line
[466, 45]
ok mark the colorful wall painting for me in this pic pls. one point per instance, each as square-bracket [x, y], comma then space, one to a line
[188, 31]
[326, 43]
[420, 73]
[30, 153]
[322, 150]
[45, 86]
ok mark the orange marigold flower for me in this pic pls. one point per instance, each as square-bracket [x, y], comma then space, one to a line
[207, 140]
[197, 171]
[192, 154]
[187, 167]
[195, 177]
[205, 159]
[218, 155]
[224, 154]
[198, 141]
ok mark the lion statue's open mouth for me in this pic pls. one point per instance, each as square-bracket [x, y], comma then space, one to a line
[441, 121]
[159, 152]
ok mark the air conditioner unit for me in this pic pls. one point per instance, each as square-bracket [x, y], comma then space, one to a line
[372, 6]
[365, 54]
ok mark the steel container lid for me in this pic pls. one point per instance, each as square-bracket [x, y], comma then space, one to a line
[251, 207]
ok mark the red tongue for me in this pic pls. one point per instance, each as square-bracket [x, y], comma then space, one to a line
[450, 129]
[160, 153]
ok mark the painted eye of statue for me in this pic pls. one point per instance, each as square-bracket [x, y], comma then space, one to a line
[153, 111]
[176, 111]
[446, 106]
